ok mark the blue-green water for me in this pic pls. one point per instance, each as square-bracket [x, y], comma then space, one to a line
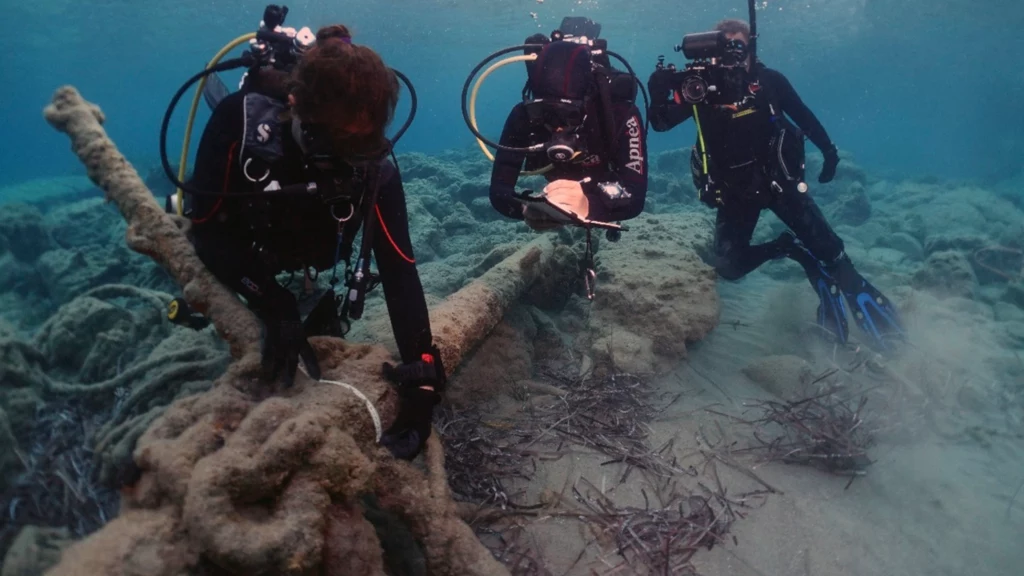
[909, 87]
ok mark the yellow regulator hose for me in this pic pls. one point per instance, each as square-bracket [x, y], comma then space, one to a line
[183, 162]
[472, 106]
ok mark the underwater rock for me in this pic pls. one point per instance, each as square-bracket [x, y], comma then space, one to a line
[35, 550]
[23, 232]
[784, 376]
[68, 273]
[653, 283]
[852, 207]
[1009, 312]
[674, 162]
[903, 242]
[1014, 294]
[93, 222]
[18, 277]
[945, 274]
[962, 243]
[82, 327]
[626, 352]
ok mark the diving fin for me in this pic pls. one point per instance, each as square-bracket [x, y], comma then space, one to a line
[831, 306]
[872, 311]
[214, 91]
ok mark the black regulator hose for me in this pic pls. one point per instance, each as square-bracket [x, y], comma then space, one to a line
[247, 61]
[643, 90]
[412, 111]
[487, 60]
[243, 62]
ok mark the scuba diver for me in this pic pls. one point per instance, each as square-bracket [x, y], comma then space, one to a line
[289, 169]
[579, 126]
[599, 164]
[749, 157]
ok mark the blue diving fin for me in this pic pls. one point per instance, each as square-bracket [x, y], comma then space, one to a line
[871, 310]
[831, 306]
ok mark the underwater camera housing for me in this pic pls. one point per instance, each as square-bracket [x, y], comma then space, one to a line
[711, 56]
[277, 46]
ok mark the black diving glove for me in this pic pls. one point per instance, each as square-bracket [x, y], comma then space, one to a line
[284, 342]
[828, 169]
[660, 85]
[411, 428]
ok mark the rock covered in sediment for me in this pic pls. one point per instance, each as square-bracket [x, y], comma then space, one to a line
[785, 376]
[947, 273]
[654, 288]
[23, 232]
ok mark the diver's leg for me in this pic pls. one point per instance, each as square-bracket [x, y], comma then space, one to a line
[734, 256]
[822, 254]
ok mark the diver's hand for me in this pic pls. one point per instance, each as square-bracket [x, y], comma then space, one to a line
[828, 169]
[284, 342]
[420, 385]
[660, 85]
[568, 195]
[409, 432]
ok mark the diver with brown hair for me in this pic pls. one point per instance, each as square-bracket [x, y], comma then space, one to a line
[289, 169]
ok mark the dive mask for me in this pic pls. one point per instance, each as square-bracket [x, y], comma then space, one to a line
[735, 53]
[563, 119]
[334, 175]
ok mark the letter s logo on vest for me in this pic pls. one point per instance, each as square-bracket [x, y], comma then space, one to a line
[636, 152]
[263, 133]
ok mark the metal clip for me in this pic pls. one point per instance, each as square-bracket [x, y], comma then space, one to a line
[590, 281]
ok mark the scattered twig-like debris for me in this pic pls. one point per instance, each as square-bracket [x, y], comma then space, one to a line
[825, 431]
[664, 539]
[611, 415]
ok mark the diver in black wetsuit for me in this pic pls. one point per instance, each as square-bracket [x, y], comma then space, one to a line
[597, 165]
[322, 123]
[749, 157]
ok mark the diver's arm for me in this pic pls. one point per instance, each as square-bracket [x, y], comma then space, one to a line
[399, 278]
[665, 112]
[507, 165]
[795, 108]
[630, 173]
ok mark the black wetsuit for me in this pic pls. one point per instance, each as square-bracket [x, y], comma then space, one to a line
[246, 241]
[737, 141]
[623, 162]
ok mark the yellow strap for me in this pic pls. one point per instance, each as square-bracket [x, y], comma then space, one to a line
[700, 138]
[183, 161]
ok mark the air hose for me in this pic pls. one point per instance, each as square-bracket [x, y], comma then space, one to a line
[480, 140]
[183, 162]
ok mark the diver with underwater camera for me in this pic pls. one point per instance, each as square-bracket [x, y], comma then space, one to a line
[748, 157]
[290, 168]
[577, 125]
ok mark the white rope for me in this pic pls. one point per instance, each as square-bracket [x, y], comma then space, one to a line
[369, 405]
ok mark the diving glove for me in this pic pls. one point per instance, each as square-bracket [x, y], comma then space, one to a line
[828, 169]
[420, 385]
[660, 85]
[284, 342]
